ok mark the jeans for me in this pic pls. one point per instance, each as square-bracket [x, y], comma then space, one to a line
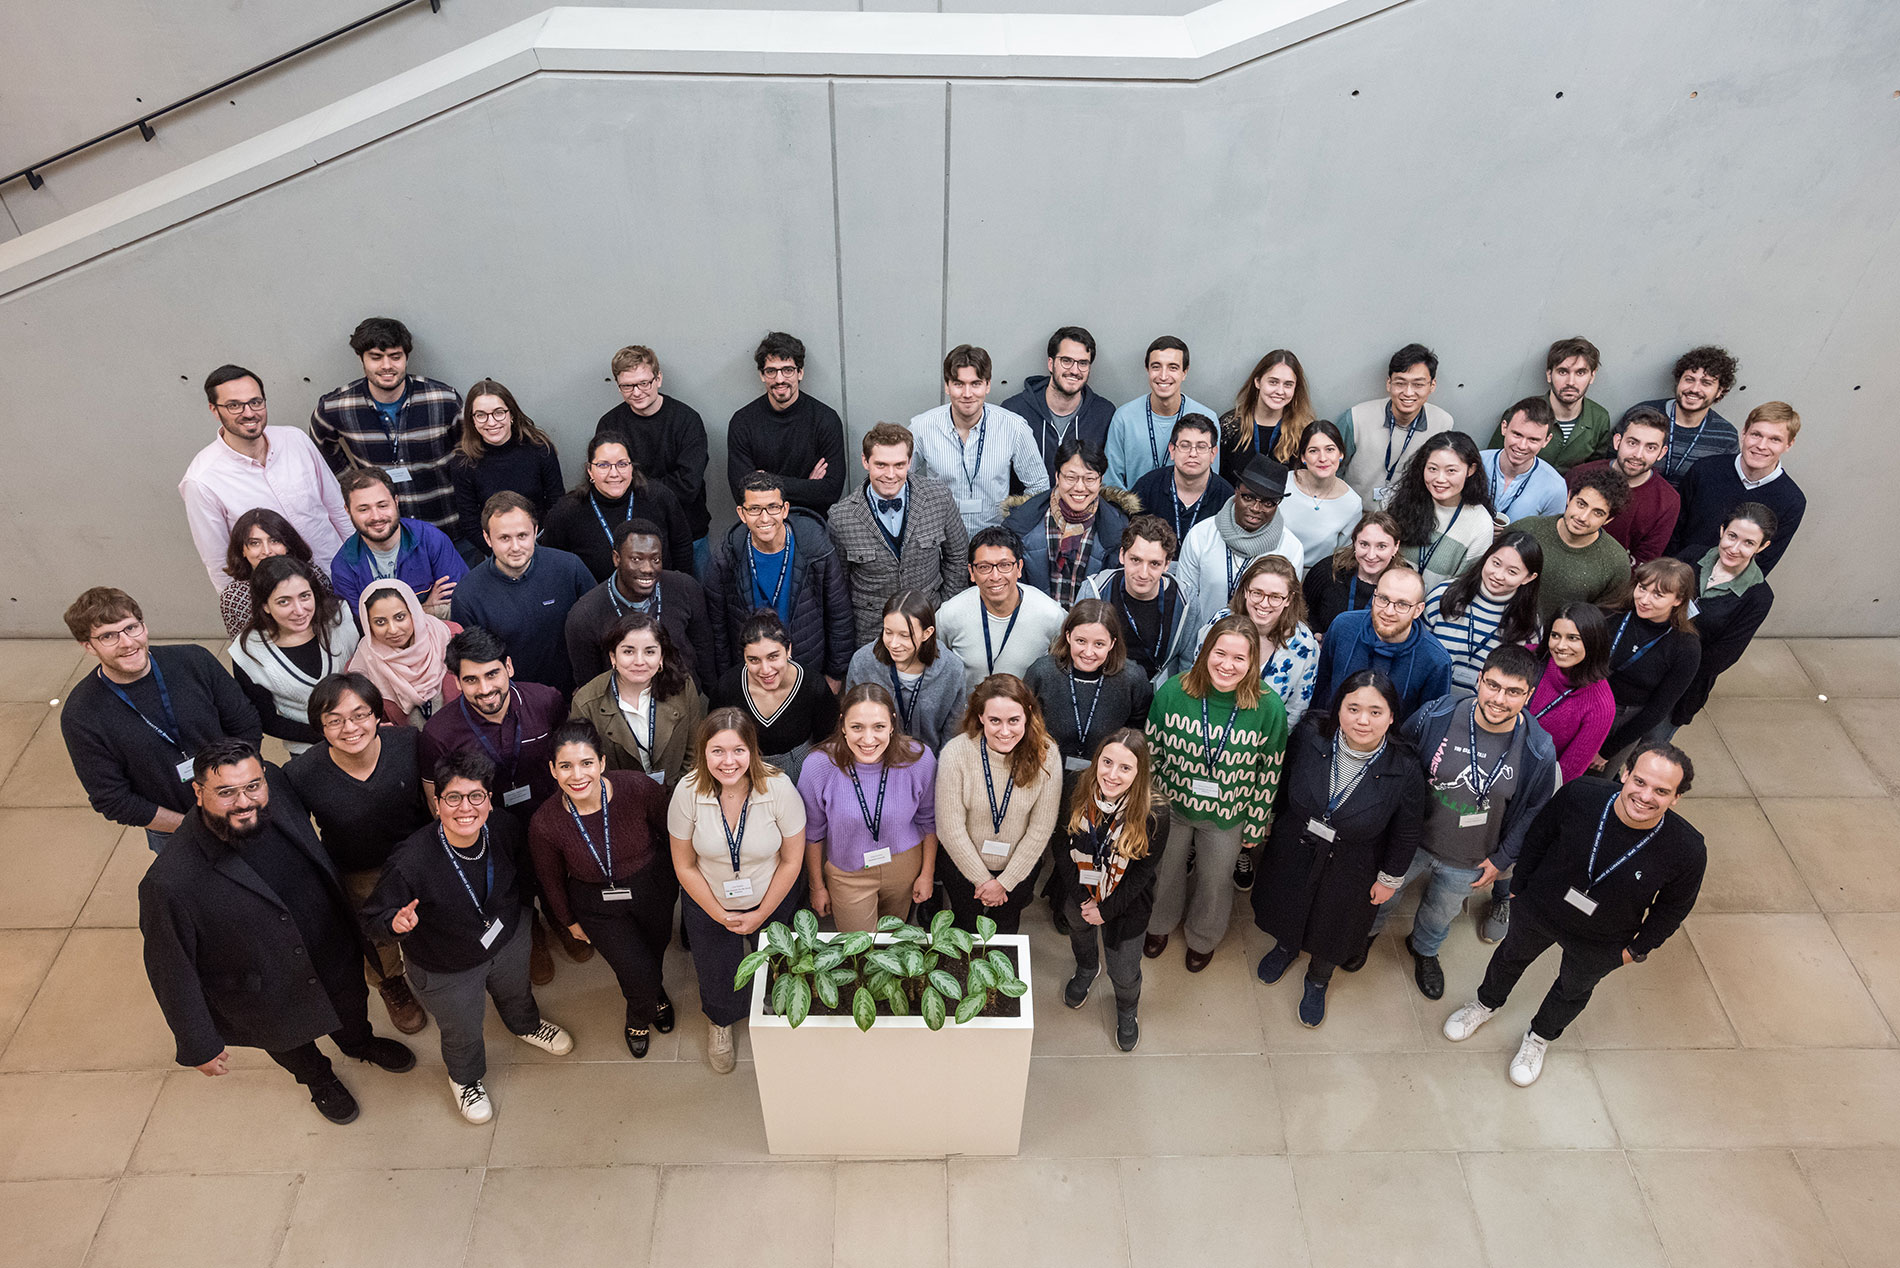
[1584, 965]
[457, 1001]
[1204, 896]
[1444, 898]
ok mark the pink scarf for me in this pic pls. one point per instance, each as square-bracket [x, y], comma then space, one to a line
[414, 676]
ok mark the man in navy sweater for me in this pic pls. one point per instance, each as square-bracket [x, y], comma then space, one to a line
[1716, 486]
[1389, 638]
[524, 593]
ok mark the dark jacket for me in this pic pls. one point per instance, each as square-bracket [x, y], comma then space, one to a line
[1419, 667]
[448, 933]
[224, 955]
[933, 555]
[682, 615]
[669, 446]
[1090, 422]
[823, 632]
[1317, 895]
[1726, 619]
[1029, 521]
[1647, 682]
[1536, 779]
[1125, 912]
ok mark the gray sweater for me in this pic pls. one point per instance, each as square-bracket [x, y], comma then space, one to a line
[937, 712]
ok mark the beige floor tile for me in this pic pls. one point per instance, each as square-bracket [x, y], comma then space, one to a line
[1664, 1002]
[356, 1217]
[1792, 748]
[888, 1213]
[585, 1000]
[1181, 1012]
[1061, 1031]
[1438, 1100]
[1367, 1011]
[563, 1215]
[1752, 1098]
[1190, 1105]
[1716, 774]
[600, 1115]
[1464, 960]
[1874, 727]
[1396, 1210]
[793, 1200]
[49, 1223]
[25, 957]
[1050, 1213]
[258, 1119]
[1748, 868]
[1735, 1209]
[187, 1221]
[1591, 1196]
[1848, 849]
[18, 721]
[1767, 668]
[95, 1011]
[1850, 666]
[1181, 1211]
[1872, 942]
[49, 862]
[69, 1126]
[39, 669]
[114, 903]
[1786, 982]
[43, 774]
[1855, 1189]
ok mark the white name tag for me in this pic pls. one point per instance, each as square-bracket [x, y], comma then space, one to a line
[1694, 609]
[1477, 820]
[184, 770]
[741, 888]
[1582, 902]
[1203, 788]
[1321, 829]
[1378, 493]
[997, 849]
[515, 796]
[616, 894]
[397, 475]
[490, 934]
[875, 858]
[1090, 876]
[972, 506]
[1068, 763]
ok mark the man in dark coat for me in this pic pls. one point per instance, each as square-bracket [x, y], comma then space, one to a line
[248, 936]
[781, 558]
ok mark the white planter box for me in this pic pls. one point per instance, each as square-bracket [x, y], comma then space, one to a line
[898, 1090]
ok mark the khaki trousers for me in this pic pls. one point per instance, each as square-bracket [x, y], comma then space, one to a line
[859, 898]
[357, 886]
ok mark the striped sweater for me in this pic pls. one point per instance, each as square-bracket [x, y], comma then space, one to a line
[1469, 636]
[1247, 772]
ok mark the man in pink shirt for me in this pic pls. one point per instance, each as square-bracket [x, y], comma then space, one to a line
[251, 464]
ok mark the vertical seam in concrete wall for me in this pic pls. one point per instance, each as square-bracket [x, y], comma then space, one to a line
[837, 251]
[943, 325]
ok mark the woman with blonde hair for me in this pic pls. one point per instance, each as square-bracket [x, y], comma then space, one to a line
[1269, 416]
[1268, 594]
[1345, 581]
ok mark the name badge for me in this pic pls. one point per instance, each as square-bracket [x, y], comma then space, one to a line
[1203, 788]
[184, 770]
[1694, 608]
[616, 894]
[997, 849]
[740, 888]
[878, 857]
[1581, 901]
[397, 475]
[515, 796]
[1378, 493]
[1477, 820]
[1090, 876]
[490, 934]
[972, 506]
[1068, 763]
[1321, 829]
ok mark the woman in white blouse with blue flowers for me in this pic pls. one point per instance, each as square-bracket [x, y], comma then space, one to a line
[1268, 592]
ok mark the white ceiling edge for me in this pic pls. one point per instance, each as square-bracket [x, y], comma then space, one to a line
[786, 43]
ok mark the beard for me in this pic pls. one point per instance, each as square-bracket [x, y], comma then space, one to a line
[234, 834]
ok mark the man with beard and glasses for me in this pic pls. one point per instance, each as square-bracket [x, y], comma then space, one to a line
[1646, 521]
[249, 939]
[640, 583]
[1061, 406]
[386, 544]
[1218, 549]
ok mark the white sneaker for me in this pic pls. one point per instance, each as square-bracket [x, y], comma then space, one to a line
[1464, 1023]
[1529, 1061]
[719, 1051]
[473, 1101]
[550, 1038]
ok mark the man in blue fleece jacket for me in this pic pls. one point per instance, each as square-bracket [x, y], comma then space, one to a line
[1387, 637]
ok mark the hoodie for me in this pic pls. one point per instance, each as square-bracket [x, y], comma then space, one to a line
[1419, 667]
[1090, 419]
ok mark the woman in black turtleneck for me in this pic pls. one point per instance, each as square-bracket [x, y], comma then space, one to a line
[501, 450]
[1654, 652]
[612, 491]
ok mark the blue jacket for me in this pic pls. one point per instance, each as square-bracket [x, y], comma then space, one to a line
[1027, 521]
[1536, 781]
[1419, 667]
[423, 553]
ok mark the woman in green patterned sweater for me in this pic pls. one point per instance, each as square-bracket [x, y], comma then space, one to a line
[1218, 738]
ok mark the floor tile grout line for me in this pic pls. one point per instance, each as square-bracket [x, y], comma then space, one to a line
[1649, 1210]
[475, 1211]
[1471, 1204]
[1814, 1194]
[92, 1241]
[1859, 978]
[65, 936]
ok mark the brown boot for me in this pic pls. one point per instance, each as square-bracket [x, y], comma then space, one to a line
[540, 962]
[404, 1010]
[575, 950]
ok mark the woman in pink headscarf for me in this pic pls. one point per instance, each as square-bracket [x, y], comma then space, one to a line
[402, 652]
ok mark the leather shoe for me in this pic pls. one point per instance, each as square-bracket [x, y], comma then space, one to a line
[1429, 974]
[1359, 961]
[1154, 944]
[638, 1041]
[1196, 960]
[405, 1012]
[576, 950]
[540, 960]
[334, 1101]
[386, 1054]
[663, 1019]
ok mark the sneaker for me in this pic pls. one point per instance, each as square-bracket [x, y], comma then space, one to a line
[1243, 871]
[1313, 1004]
[473, 1101]
[1529, 1061]
[638, 1042]
[386, 1054]
[1127, 1031]
[719, 1051]
[334, 1101]
[405, 1014]
[549, 1038]
[1464, 1023]
[1427, 972]
[540, 960]
[1076, 993]
[1497, 923]
[664, 1018]
[1359, 961]
[1274, 964]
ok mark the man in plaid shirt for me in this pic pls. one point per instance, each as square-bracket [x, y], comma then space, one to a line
[389, 418]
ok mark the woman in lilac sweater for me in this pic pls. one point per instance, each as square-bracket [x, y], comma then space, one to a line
[1573, 701]
[870, 795]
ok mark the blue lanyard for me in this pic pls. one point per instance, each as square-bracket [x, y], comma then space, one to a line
[645, 754]
[1194, 517]
[897, 690]
[455, 865]
[606, 532]
[989, 657]
[1392, 425]
[1215, 751]
[1522, 482]
[785, 570]
[1591, 875]
[1482, 784]
[1335, 800]
[1352, 593]
[1148, 403]
[877, 516]
[874, 820]
[989, 787]
[982, 434]
[494, 754]
[389, 424]
[1425, 560]
[1273, 438]
[1075, 707]
[173, 736]
[1161, 619]
[650, 604]
[606, 832]
[1641, 651]
[1099, 837]
[735, 837]
[1669, 444]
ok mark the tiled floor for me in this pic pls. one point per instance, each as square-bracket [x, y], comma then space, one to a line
[1735, 1101]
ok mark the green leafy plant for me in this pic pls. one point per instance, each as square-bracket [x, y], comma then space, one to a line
[914, 969]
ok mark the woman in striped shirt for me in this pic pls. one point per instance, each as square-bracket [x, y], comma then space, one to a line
[1492, 603]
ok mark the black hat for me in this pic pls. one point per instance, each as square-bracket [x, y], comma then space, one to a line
[1265, 477]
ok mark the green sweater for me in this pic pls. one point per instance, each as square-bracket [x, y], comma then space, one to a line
[1248, 772]
[1598, 573]
[1589, 438]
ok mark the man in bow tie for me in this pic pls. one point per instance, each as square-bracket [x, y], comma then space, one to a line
[902, 532]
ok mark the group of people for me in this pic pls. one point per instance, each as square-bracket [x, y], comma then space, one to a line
[1128, 659]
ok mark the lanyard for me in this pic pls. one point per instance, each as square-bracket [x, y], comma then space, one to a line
[1161, 621]
[989, 787]
[1482, 784]
[1568, 692]
[982, 434]
[606, 832]
[1075, 707]
[1425, 560]
[1522, 482]
[1352, 594]
[170, 732]
[1100, 835]
[735, 837]
[494, 754]
[873, 819]
[455, 865]
[650, 604]
[1148, 403]
[989, 657]
[1273, 438]
[1641, 651]
[1591, 874]
[1194, 515]
[601, 519]
[389, 423]
[1215, 751]
[897, 690]
[645, 753]
[785, 570]
[877, 516]
[1392, 425]
[1232, 572]
[1335, 800]
[1669, 444]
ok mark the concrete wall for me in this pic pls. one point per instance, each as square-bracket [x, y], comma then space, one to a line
[1414, 174]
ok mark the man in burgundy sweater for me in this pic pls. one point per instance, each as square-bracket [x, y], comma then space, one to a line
[1645, 525]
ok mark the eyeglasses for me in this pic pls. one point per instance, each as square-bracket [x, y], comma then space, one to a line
[1087, 480]
[779, 372]
[753, 512]
[491, 415]
[112, 638]
[1394, 605]
[1509, 693]
[1248, 495]
[1074, 363]
[612, 468]
[1267, 600]
[234, 408]
[358, 718]
[456, 799]
[231, 794]
[1399, 385]
[638, 385]
[1193, 446]
[995, 570]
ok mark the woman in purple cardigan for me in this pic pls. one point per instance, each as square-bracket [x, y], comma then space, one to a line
[870, 795]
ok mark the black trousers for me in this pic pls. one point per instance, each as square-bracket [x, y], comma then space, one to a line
[965, 905]
[631, 935]
[1584, 965]
[717, 951]
[350, 998]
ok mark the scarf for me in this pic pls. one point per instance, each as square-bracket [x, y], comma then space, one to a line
[1068, 550]
[412, 678]
[1103, 818]
[1248, 546]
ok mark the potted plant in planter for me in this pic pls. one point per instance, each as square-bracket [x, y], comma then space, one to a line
[924, 1032]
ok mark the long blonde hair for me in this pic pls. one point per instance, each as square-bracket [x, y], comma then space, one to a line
[1293, 419]
[1131, 842]
[1198, 682]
